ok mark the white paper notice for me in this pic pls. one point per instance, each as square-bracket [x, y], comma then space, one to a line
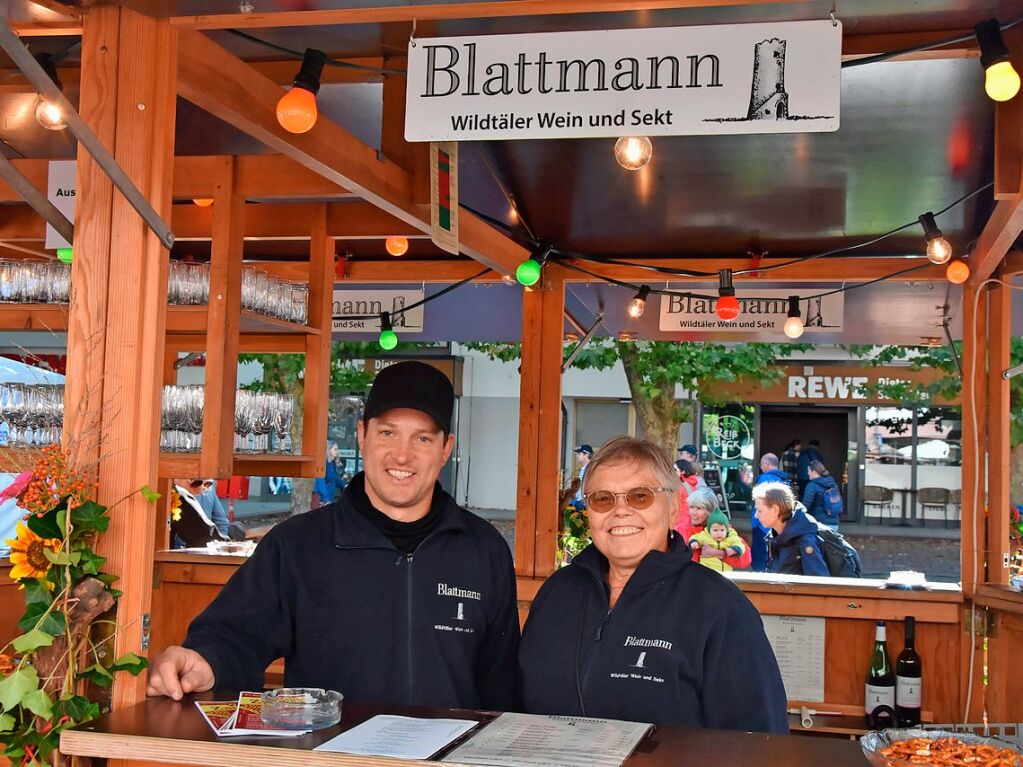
[799, 647]
[532, 740]
[403, 737]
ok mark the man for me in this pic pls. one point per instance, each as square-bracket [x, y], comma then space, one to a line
[392, 594]
[808, 456]
[191, 526]
[690, 453]
[769, 472]
[583, 454]
[790, 460]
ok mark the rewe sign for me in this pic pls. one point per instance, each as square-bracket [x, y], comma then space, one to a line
[827, 387]
[734, 78]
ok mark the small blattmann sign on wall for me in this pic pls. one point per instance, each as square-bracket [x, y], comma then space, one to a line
[733, 78]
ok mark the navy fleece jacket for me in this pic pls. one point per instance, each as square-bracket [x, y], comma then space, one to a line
[797, 550]
[682, 646]
[329, 593]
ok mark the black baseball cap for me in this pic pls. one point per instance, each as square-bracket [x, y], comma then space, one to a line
[691, 449]
[584, 448]
[414, 385]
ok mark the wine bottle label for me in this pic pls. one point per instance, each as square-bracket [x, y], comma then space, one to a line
[878, 696]
[907, 691]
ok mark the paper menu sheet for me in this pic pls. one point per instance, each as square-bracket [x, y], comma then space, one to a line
[403, 737]
[533, 740]
[799, 647]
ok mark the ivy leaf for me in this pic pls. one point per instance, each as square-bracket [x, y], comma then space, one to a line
[97, 674]
[91, 562]
[16, 686]
[129, 662]
[33, 640]
[37, 593]
[53, 624]
[149, 494]
[39, 703]
[60, 558]
[45, 526]
[62, 522]
[6, 722]
[90, 516]
[79, 708]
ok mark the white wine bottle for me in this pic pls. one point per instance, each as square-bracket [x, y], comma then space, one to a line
[908, 679]
[879, 698]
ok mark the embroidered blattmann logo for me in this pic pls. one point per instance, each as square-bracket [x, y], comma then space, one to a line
[631, 641]
[444, 590]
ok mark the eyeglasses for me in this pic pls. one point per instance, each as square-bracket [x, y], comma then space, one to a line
[638, 498]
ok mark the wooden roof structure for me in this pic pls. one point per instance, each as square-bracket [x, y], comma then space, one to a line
[187, 109]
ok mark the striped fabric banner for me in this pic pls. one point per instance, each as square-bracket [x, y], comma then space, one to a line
[444, 195]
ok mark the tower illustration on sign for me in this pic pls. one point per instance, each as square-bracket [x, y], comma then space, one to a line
[768, 99]
[460, 612]
[640, 661]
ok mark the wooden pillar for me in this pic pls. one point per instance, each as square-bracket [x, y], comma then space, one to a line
[999, 446]
[118, 314]
[536, 518]
[316, 390]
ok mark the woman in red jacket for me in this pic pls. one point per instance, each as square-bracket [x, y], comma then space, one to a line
[701, 503]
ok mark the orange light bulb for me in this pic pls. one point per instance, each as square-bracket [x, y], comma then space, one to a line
[396, 246]
[957, 272]
[203, 202]
[728, 308]
[296, 111]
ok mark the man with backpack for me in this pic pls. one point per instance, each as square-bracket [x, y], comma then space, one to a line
[822, 497]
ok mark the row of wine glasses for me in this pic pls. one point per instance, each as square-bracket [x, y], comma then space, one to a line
[188, 284]
[262, 292]
[32, 413]
[35, 282]
[262, 420]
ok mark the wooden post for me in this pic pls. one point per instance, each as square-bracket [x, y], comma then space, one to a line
[316, 396]
[116, 327]
[413, 157]
[536, 518]
[217, 457]
[998, 444]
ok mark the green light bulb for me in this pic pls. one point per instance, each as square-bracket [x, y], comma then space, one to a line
[388, 339]
[528, 272]
[65, 254]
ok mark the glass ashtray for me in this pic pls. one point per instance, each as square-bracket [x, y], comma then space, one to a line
[876, 744]
[301, 708]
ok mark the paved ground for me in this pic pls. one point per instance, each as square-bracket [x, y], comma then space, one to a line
[934, 551]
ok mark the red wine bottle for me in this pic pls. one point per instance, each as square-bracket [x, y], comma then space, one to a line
[908, 679]
[879, 698]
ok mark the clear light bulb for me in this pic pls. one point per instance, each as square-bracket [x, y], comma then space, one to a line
[793, 327]
[49, 115]
[939, 251]
[633, 152]
[1001, 81]
[636, 308]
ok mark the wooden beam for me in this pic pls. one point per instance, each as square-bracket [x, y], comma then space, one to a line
[316, 386]
[999, 419]
[225, 86]
[998, 235]
[1009, 129]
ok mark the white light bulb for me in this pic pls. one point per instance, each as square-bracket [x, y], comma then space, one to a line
[49, 115]
[633, 152]
[939, 251]
[636, 308]
[794, 327]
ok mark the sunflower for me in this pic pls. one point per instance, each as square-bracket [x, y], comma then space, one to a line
[28, 555]
[175, 509]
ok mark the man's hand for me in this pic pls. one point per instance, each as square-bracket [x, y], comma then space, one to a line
[711, 551]
[177, 671]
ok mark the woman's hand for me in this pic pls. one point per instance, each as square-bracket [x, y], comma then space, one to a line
[711, 551]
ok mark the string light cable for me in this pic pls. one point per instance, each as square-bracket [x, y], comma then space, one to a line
[299, 54]
[401, 310]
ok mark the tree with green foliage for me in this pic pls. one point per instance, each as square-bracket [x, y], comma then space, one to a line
[948, 385]
[654, 369]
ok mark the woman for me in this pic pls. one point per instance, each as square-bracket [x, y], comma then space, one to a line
[327, 487]
[822, 498]
[689, 480]
[634, 629]
[190, 526]
[702, 503]
[792, 546]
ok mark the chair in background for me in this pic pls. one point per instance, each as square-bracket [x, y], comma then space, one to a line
[876, 496]
[956, 501]
[934, 498]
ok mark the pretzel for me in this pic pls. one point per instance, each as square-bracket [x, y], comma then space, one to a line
[951, 752]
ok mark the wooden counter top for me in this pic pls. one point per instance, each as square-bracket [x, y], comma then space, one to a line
[1002, 598]
[161, 730]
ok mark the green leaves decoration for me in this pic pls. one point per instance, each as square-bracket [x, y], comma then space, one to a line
[39, 703]
[53, 623]
[90, 517]
[16, 685]
[131, 663]
[33, 640]
[149, 494]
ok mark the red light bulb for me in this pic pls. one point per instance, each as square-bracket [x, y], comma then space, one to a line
[727, 308]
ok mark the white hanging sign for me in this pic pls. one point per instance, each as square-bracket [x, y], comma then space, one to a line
[361, 303]
[62, 191]
[761, 310]
[732, 78]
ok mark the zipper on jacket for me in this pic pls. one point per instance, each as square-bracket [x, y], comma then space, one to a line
[593, 653]
[408, 626]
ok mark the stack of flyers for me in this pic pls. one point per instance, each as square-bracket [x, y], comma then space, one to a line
[240, 717]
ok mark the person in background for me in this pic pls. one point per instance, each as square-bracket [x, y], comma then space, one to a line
[327, 488]
[808, 456]
[822, 497]
[793, 547]
[688, 482]
[702, 503]
[790, 460]
[769, 472]
[633, 629]
[212, 506]
[691, 454]
[191, 527]
[719, 534]
[583, 453]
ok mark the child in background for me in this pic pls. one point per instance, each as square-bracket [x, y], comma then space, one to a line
[720, 535]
